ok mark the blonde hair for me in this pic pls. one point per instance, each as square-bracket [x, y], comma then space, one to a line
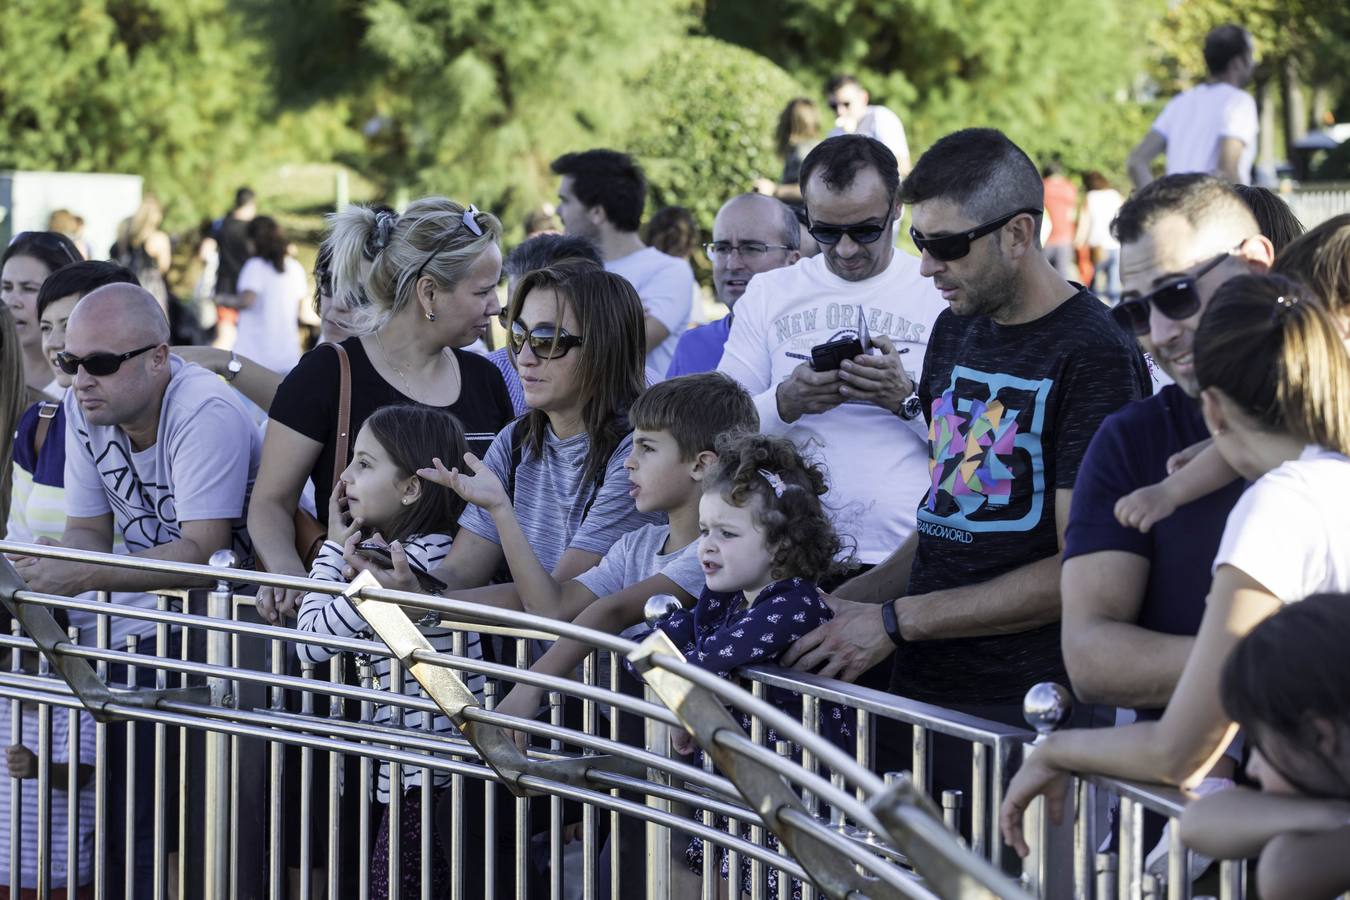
[14, 397]
[398, 246]
[137, 229]
[1275, 351]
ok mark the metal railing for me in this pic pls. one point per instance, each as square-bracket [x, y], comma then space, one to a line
[275, 763]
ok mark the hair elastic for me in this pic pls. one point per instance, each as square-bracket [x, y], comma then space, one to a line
[384, 230]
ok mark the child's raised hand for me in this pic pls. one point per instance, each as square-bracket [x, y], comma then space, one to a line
[22, 761]
[1146, 507]
[482, 488]
[340, 523]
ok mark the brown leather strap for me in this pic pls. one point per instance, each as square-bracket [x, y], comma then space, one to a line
[344, 423]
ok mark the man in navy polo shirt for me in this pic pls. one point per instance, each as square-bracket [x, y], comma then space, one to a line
[1133, 601]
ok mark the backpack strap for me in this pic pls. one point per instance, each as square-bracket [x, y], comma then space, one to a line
[46, 413]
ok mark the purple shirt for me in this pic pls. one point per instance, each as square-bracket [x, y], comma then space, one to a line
[700, 349]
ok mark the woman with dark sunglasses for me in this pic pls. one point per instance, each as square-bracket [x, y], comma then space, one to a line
[429, 278]
[1273, 375]
[576, 337]
[28, 260]
[1296, 716]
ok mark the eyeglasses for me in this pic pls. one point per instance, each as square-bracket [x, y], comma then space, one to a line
[546, 341]
[1178, 298]
[469, 220]
[99, 365]
[749, 250]
[829, 235]
[948, 247]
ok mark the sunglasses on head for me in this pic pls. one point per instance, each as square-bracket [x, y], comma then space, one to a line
[546, 341]
[469, 220]
[49, 241]
[97, 364]
[1177, 298]
[829, 235]
[948, 247]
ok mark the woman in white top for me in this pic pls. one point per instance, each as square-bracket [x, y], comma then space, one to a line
[1274, 378]
[1101, 202]
[272, 285]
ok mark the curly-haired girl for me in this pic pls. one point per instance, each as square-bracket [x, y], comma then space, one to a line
[765, 540]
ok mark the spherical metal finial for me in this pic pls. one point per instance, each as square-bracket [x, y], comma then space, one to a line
[1046, 706]
[658, 608]
[223, 559]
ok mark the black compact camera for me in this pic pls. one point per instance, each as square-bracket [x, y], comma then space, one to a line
[379, 554]
[829, 356]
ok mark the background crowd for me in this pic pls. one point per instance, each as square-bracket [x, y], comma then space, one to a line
[1085, 435]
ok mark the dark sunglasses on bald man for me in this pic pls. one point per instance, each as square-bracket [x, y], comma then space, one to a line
[546, 341]
[948, 247]
[99, 365]
[1177, 298]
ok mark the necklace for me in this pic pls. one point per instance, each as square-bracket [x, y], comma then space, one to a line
[407, 388]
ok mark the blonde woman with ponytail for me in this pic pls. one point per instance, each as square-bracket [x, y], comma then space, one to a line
[1274, 379]
[421, 285]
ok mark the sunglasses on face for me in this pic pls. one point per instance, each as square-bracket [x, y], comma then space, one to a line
[948, 247]
[546, 341]
[1178, 298]
[99, 365]
[829, 235]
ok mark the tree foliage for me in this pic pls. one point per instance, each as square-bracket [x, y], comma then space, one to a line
[167, 89]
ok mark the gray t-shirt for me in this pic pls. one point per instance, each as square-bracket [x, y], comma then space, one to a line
[201, 466]
[637, 556]
[550, 498]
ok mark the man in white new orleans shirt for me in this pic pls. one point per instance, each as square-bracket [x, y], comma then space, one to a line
[863, 420]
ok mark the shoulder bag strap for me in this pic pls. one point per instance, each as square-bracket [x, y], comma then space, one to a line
[344, 423]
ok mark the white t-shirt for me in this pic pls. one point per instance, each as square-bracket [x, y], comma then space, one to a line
[881, 123]
[666, 286]
[1101, 207]
[201, 466]
[1194, 122]
[877, 463]
[269, 333]
[1290, 531]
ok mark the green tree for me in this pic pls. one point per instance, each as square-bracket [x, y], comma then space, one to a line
[168, 89]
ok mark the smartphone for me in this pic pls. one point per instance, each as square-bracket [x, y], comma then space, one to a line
[379, 554]
[830, 356]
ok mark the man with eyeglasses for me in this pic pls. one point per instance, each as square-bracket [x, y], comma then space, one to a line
[157, 448]
[860, 416]
[752, 233]
[1020, 371]
[854, 113]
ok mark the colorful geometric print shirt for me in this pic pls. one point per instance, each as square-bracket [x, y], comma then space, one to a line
[1010, 410]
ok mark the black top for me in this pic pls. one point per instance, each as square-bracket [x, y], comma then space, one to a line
[307, 402]
[232, 245]
[1130, 451]
[1011, 410]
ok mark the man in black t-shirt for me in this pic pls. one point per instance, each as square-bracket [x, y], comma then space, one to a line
[1133, 600]
[1020, 371]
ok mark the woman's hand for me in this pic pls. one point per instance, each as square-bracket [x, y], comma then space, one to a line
[340, 524]
[522, 701]
[1036, 777]
[483, 488]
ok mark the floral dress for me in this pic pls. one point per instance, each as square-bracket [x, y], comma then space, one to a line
[722, 633]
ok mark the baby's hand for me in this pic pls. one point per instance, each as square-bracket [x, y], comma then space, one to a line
[1146, 507]
[682, 742]
[481, 489]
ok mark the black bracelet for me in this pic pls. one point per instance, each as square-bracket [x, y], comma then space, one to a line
[889, 622]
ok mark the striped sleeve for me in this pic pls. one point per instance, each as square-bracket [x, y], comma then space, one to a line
[325, 614]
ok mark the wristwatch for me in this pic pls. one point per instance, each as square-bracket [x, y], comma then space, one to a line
[888, 621]
[910, 408]
[233, 367]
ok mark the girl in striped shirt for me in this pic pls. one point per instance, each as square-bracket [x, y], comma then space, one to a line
[381, 497]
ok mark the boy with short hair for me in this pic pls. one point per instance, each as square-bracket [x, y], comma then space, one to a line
[675, 426]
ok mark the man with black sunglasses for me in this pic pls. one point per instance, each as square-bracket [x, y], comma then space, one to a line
[1020, 370]
[156, 448]
[859, 414]
[1133, 600]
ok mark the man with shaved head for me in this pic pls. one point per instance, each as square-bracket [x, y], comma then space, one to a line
[156, 447]
[752, 233]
